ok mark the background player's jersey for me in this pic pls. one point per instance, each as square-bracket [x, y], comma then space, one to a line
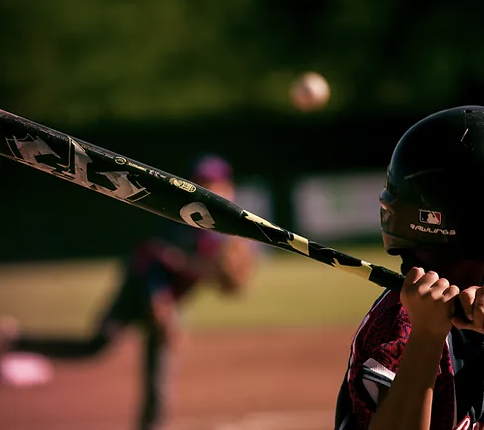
[179, 258]
[375, 355]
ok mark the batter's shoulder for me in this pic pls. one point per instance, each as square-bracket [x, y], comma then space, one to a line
[385, 321]
[382, 334]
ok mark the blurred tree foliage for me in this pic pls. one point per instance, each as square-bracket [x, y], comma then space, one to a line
[81, 61]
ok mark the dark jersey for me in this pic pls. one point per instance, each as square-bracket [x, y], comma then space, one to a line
[375, 355]
[177, 260]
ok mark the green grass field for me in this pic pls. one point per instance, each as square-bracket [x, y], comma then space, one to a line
[287, 290]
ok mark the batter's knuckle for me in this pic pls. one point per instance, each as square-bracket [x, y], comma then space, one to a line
[429, 278]
[417, 272]
[432, 275]
[442, 282]
[436, 294]
[422, 289]
[453, 290]
[413, 277]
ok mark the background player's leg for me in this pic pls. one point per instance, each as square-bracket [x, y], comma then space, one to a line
[119, 313]
[154, 368]
[68, 347]
[25, 360]
[161, 341]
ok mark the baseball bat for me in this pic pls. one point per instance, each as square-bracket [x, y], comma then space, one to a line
[162, 193]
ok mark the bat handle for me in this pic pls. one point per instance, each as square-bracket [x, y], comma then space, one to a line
[394, 281]
[386, 278]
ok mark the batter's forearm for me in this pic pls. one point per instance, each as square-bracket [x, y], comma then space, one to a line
[408, 402]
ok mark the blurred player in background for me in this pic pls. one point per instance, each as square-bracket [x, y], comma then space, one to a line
[160, 273]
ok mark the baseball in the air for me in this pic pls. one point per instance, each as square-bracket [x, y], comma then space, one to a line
[310, 92]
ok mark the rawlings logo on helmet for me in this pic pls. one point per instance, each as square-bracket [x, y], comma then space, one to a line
[433, 230]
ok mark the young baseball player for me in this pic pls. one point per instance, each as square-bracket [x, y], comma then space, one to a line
[414, 363]
[160, 274]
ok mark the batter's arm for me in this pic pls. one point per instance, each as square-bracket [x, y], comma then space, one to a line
[407, 404]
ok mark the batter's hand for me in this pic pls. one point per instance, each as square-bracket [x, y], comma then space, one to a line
[429, 302]
[472, 300]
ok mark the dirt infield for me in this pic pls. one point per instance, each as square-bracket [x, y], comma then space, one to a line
[245, 380]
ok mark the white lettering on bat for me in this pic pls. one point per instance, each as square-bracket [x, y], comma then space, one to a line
[197, 215]
[74, 168]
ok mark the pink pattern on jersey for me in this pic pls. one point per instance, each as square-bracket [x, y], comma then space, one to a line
[383, 336]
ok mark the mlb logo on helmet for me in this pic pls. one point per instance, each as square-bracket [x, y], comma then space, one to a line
[430, 217]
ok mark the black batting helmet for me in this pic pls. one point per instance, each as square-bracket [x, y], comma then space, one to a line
[435, 184]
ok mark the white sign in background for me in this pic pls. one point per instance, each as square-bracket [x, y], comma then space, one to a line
[324, 207]
[256, 198]
[340, 206]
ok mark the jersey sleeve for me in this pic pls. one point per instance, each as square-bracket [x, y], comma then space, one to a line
[376, 352]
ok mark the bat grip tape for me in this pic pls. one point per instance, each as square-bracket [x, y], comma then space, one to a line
[386, 278]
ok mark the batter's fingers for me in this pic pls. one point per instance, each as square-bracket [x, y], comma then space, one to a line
[451, 292]
[414, 275]
[438, 288]
[466, 298]
[426, 282]
[478, 308]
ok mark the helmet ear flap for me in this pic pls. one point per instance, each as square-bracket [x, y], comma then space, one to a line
[387, 200]
[391, 244]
